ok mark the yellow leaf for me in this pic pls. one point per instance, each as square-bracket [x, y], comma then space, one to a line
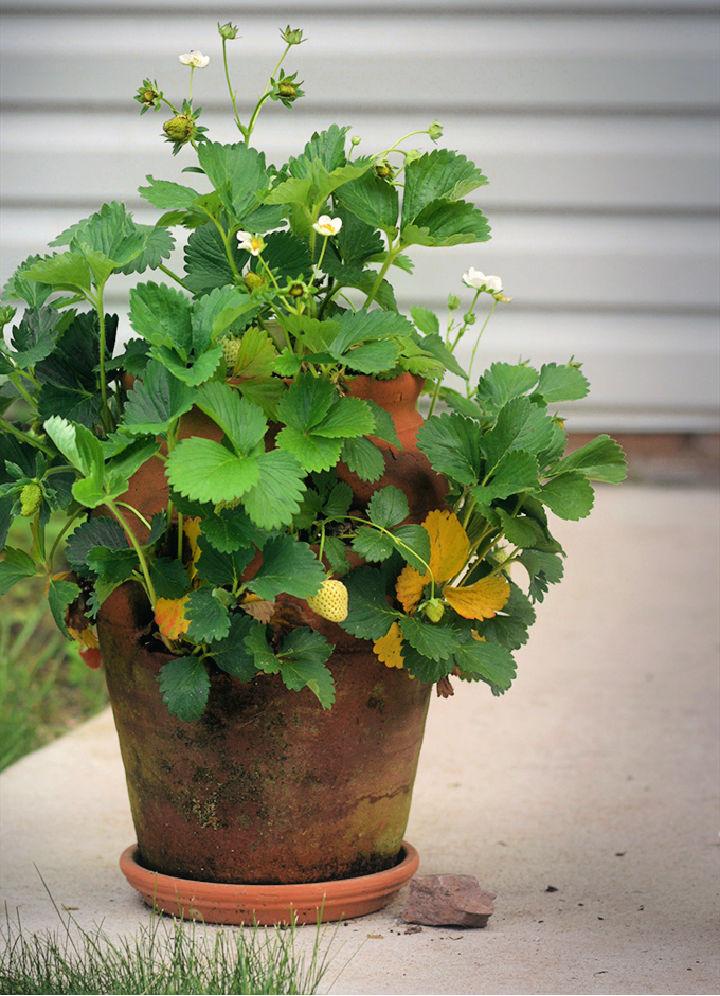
[409, 586]
[170, 617]
[87, 638]
[259, 608]
[449, 550]
[480, 600]
[191, 528]
[449, 544]
[388, 648]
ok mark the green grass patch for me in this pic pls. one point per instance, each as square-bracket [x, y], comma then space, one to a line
[164, 956]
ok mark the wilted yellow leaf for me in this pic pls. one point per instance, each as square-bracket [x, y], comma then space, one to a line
[388, 648]
[480, 600]
[86, 638]
[259, 608]
[449, 544]
[191, 528]
[449, 549]
[170, 617]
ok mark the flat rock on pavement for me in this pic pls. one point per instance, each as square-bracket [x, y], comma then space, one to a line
[448, 901]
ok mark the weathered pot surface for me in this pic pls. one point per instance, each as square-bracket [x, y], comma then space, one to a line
[267, 787]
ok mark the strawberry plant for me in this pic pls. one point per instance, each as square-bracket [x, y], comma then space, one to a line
[235, 384]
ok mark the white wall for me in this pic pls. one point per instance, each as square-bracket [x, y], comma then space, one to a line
[595, 121]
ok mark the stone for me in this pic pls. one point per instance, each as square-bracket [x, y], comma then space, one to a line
[448, 901]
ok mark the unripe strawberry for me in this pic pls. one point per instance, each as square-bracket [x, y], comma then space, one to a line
[181, 128]
[331, 602]
[434, 610]
[30, 498]
[231, 349]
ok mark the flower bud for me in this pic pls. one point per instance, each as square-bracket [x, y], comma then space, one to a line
[435, 610]
[453, 302]
[30, 498]
[297, 289]
[292, 36]
[355, 141]
[228, 31]
[384, 170]
[411, 155]
[469, 318]
[435, 131]
[149, 96]
[180, 128]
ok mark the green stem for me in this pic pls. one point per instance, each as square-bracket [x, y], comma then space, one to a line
[22, 390]
[399, 543]
[136, 512]
[58, 538]
[180, 536]
[25, 437]
[322, 542]
[322, 252]
[100, 309]
[132, 539]
[392, 253]
[228, 246]
[173, 276]
[484, 325]
[233, 99]
[254, 115]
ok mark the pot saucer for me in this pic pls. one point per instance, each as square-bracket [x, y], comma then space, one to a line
[306, 902]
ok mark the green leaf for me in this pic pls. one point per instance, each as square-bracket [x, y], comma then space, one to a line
[231, 654]
[369, 615]
[423, 668]
[372, 545]
[509, 628]
[373, 357]
[256, 356]
[98, 531]
[447, 223]
[502, 382]
[237, 172]
[243, 423]
[425, 320]
[521, 425]
[166, 195]
[159, 244]
[564, 382]
[434, 345]
[384, 426]
[287, 256]
[302, 665]
[488, 662]
[307, 401]
[156, 401]
[602, 459]
[515, 473]
[162, 316]
[206, 261]
[360, 327]
[569, 495]
[216, 312]
[438, 175]
[452, 445]
[209, 618]
[413, 545]
[313, 452]
[207, 471]
[275, 498]
[220, 569]
[363, 458]
[33, 339]
[169, 577]
[388, 507]
[338, 501]
[193, 373]
[347, 418]
[20, 287]
[336, 556]
[432, 641]
[373, 200]
[230, 529]
[15, 566]
[289, 567]
[109, 237]
[63, 271]
[185, 687]
[543, 569]
[520, 530]
[61, 594]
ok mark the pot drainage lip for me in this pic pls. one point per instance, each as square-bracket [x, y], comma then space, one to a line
[306, 902]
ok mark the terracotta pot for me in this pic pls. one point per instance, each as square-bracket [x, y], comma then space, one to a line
[267, 787]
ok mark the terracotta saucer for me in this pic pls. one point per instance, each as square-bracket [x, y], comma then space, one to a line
[213, 902]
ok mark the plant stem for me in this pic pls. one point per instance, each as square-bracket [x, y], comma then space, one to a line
[180, 536]
[392, 253]
[100, 309]
[484, 325]
[132, 539]
[58, 538]
[22, 390]
[233, 99]
[228, 247]
[24, 437]
[173, 276]
[254, 115]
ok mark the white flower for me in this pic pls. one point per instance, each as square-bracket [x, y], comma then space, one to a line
[327, 226]
[254, 244]
[194, 59]
[482, 281]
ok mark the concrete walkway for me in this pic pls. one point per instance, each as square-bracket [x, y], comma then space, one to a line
[597, 775]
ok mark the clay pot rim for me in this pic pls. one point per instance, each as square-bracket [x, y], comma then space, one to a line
[224, 902]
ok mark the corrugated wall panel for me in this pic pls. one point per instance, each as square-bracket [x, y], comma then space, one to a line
[595, 121]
